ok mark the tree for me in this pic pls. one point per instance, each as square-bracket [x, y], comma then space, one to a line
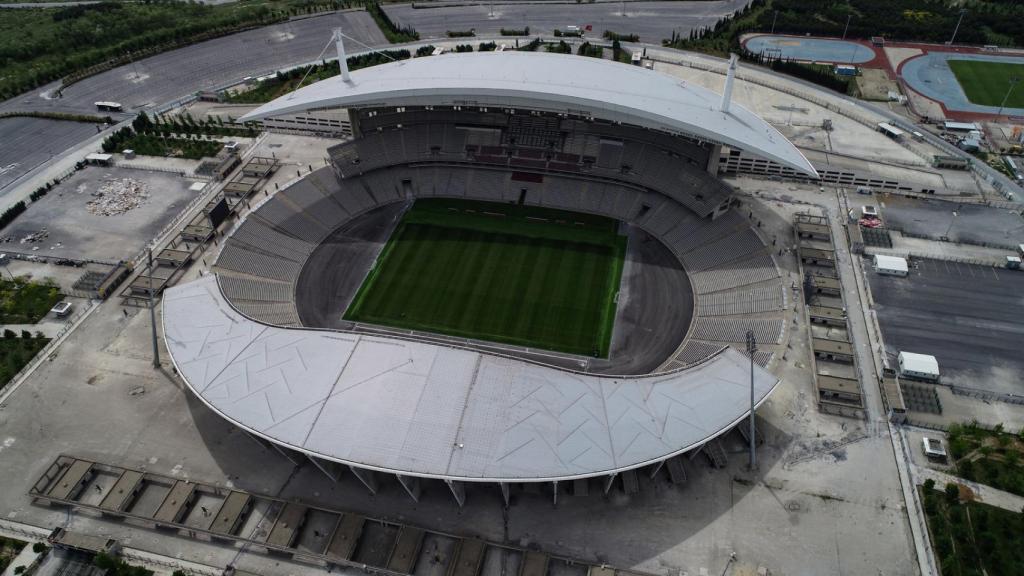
[929, 484]
[952, 492]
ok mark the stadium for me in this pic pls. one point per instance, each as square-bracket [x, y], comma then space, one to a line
[521, 269]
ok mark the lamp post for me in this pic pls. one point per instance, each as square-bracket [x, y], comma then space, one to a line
[1013, 82]
[751, 350]
[957, 29]
[952, 220]
[152, 309]
[774, 18]
[847, 27]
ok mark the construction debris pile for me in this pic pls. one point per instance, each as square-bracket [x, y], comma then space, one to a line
[34, 237]
[117, 196]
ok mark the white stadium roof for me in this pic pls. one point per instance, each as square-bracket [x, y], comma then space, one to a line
[553, 82]
[426, 410]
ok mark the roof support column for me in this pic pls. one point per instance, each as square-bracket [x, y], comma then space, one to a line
[608, 482]
[411, 485]
[292, 456]
[656, 468]
[367, 477]
[714, 158]
[262, 443]
[554, 493]
[330, 469]
[458, 490]
[504, 492]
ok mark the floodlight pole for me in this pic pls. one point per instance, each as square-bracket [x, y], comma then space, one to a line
[774, 18]
[730, 76]
[957, 29]
[848, 16]
[152, 309]
[339, 42]
[1013, 82]
[751, 350]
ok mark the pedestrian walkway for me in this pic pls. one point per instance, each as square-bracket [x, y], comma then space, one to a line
[982, 492]
[49, 328]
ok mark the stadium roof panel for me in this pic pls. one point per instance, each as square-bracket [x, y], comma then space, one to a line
[421, 409]
[554, 82]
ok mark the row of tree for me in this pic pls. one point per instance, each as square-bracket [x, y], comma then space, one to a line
[393, 32]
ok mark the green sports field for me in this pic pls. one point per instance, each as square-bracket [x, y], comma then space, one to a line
[986, 83]
[514, 274]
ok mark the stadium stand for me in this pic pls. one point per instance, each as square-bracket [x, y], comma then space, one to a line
[669, 165]
[732, 273]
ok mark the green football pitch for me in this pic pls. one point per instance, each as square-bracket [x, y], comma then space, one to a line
[986, 83]
[505, 273]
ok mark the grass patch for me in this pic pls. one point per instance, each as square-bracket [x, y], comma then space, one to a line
[514, 274]
[15, 353]
[972, 538]
[9, 549]
[991, 457]
[986, 83]
[24, 302]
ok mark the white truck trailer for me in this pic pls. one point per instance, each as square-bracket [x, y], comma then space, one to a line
[918, 367]
[891, 265]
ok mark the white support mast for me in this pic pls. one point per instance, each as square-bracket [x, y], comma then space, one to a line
[342, 60]
[729, 77]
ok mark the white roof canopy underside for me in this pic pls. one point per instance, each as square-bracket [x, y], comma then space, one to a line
[551, 82]
[427, 410]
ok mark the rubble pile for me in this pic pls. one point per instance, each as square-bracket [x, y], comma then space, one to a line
[117, 196]
[34, 237]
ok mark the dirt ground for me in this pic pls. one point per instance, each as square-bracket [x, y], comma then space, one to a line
[875, 84]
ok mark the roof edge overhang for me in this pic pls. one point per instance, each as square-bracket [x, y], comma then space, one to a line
[397, 84]
[718, 356]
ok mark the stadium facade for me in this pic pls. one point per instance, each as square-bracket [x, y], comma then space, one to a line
[573, 133]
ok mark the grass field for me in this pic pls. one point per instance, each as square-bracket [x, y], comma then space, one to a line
[513, 274]
[986, 83]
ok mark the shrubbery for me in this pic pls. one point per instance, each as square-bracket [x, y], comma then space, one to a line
[394, 33]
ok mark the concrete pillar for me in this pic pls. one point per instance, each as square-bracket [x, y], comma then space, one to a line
[331, 469]
[458, 490]
[714, 159]
[504, 492]
[609, 481]
[656, 468]
[554, 493]
[367, 477]
[411, 485]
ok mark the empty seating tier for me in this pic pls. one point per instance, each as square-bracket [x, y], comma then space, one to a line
[736, 284]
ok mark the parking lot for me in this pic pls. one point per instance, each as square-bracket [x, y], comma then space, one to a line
[965, 315]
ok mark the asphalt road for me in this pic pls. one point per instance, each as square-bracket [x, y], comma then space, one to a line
[171, 75]
[165, 77]
[652, 21]
[28, 142]
[964, 315]
[971, 223]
